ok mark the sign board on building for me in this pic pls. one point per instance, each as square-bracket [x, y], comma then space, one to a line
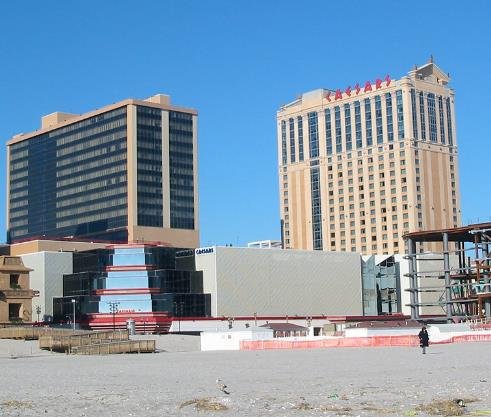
[338, 95]
[202, 251]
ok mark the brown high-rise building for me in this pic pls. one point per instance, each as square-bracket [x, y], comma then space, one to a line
[124, 173]
[361, 166]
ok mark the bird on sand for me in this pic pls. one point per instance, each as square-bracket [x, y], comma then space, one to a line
[459, 402]
[222, 387]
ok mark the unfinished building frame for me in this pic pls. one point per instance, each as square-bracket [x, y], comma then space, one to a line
[466, 293]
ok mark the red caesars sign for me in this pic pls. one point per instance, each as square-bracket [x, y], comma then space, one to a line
[338, 95]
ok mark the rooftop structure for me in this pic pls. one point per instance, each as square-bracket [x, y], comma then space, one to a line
[265, 244]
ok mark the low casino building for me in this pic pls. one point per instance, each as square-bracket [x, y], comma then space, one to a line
[136, 282]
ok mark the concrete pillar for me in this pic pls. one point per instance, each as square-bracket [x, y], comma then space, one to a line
[411, 255]
[446, 267]
[487, 302]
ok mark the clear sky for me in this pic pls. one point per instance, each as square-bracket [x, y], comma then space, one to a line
[236, 62]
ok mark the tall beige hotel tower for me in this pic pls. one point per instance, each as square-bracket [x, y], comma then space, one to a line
[361, 166]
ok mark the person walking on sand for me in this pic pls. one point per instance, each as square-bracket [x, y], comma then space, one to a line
[424, 339]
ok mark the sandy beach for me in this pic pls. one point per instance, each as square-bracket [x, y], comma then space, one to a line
[180, 380]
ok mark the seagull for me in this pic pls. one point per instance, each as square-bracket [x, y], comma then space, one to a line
[222, 387]
[459, 402]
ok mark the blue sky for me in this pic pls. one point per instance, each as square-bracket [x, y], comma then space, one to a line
[236, 62]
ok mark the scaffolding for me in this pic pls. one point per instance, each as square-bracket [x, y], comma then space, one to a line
[466, 289]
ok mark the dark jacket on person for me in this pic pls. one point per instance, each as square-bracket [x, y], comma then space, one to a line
[424, 339]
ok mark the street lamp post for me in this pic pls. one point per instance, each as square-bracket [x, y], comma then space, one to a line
[73, 304]
[38, 311]
[178, 310]
[113, 308]
[174, 314]
[181, 305]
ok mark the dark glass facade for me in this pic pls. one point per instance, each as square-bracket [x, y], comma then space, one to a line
[422, 115]
[181, 167]
[358, 128]
[313, 135]
[292, 139]
[381, 286]
[284, 159]
[442, 119]
[378, 120]
[400, 115]
[449, 122]
[368, 121]
[149, 162]
[390, 121]
[138, 280]
[337, 126]
[70, 181]
[327, 115]
[300, 138]
[347, 127]
[316, 208]
[432, 117]
[414, 113]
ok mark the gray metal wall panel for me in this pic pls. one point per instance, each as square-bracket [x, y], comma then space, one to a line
[47, 277]
[285, 282]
